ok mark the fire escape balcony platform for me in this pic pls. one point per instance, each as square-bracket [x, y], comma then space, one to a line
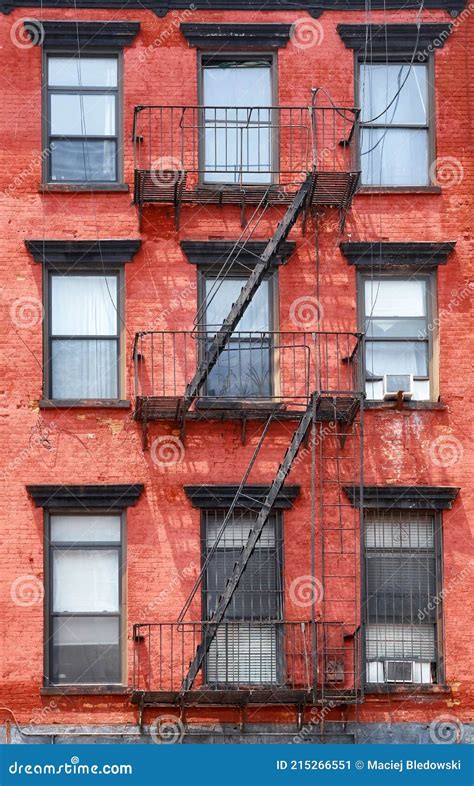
[245, 155]
[242, 697]
[258, 373]
[335, 189]
[341, 409]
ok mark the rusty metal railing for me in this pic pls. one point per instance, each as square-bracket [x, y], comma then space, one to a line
[254, 145]
[268, 366]
[322, 657]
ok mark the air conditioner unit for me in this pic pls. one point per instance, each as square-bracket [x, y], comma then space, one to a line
[400, 671]
[393, 384]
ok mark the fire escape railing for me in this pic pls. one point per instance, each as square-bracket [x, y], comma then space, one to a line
[306, 656]
[279, 367]
[233, 143]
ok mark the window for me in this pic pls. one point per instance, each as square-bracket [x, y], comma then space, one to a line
[237, 96]
[84, 336]
[395, 123]
[398, 326]
[245, 649]
[85, 559]
[244, 369]
[402, 598]
[82, 118]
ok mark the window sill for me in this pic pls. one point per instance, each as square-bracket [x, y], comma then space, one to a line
[84, 690]
[399, 190]
[407, 690]
[83, 187]
[84, 404]
[416, 405]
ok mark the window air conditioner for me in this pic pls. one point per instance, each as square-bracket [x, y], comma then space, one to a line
[393, 384]
[401, 671]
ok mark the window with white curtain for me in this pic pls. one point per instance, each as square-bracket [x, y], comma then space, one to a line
[85, 557]
[394, 124]
[237, 96]
[244, 367]
[245, 649]
[402, 597]
[82, 115]
[398, 327]
[84, 336]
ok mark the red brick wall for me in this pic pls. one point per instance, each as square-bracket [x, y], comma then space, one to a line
[104, 445]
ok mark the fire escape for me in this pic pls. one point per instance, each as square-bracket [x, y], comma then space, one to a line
[312, 380]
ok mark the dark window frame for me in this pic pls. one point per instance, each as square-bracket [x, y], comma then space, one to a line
[48, 272]
[206, 272]
[49, 615]
[280, 593]
[272, 58]
[401, 58]
[432, 339]
[119, 104]
[437, 519]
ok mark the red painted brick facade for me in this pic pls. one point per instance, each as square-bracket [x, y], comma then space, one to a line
[93, 446]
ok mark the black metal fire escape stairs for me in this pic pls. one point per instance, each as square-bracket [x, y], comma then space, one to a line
[301, 199]
[218, 344]
[211, 626]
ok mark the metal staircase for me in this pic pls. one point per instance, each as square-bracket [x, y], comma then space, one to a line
[210, 628]
[238, 309]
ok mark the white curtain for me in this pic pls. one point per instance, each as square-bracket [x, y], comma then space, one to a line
[66, 528]
[85, 580]
[84, 306]
[82, 71]
[75, 114]
[394, 156]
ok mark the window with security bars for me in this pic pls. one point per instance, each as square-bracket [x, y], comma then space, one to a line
[402, 598]
[245, 649]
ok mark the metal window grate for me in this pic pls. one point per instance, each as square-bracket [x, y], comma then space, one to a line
[400, 604]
